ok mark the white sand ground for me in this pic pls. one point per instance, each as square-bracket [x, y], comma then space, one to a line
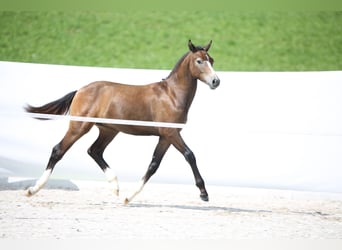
[166, 211]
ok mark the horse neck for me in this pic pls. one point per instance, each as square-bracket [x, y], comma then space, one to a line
[183, 84]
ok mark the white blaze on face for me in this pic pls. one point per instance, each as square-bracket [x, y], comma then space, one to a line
[212, 71]
[208, 73]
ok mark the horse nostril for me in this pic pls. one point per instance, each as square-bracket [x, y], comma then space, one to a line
[216, 82]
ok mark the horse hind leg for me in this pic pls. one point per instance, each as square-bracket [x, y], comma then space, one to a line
[96, 152]
[158, 155]
[76, 131]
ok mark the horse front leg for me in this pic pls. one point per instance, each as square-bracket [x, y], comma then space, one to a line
[158, 155]
[190, 157]
[180, 145]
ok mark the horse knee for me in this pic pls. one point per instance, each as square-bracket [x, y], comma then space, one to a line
[199, 183]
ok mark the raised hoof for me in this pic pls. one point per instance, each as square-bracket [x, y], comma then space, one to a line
[204, 197]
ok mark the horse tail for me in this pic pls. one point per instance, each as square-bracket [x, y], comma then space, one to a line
[57, 107]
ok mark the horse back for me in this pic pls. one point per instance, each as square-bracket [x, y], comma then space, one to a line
[122, 101]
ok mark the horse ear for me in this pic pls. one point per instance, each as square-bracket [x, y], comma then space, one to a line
[207, 47]
[192, 47]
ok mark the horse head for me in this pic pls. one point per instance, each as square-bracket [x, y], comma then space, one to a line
[201, 65]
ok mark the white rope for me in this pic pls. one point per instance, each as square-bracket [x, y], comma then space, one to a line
[107, 120]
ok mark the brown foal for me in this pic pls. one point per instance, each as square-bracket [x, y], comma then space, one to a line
[166, 101]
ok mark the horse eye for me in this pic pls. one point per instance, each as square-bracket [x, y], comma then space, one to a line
[199, 61]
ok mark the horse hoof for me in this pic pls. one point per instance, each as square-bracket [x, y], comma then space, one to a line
[204, 197]
[29, 193]
[116, 192]
[126, 201]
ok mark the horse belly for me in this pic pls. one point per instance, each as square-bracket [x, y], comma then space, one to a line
[136, 130]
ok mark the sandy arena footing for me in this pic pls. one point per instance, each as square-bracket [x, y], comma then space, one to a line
[169, 211]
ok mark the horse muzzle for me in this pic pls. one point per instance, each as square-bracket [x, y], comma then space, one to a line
[214, 83]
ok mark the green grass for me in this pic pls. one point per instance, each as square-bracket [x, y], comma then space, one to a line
[242, 41]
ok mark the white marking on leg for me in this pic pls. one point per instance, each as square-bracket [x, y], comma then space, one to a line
[140, 188]
[39, 183]
[113, 180]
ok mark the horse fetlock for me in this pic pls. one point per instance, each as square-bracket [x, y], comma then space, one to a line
[116, 191]
[115, 188]
[200, 184]
[31, 191]
[39, 184]
[204, 197]
[112, 180]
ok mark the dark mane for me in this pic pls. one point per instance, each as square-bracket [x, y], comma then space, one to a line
[175, 68]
